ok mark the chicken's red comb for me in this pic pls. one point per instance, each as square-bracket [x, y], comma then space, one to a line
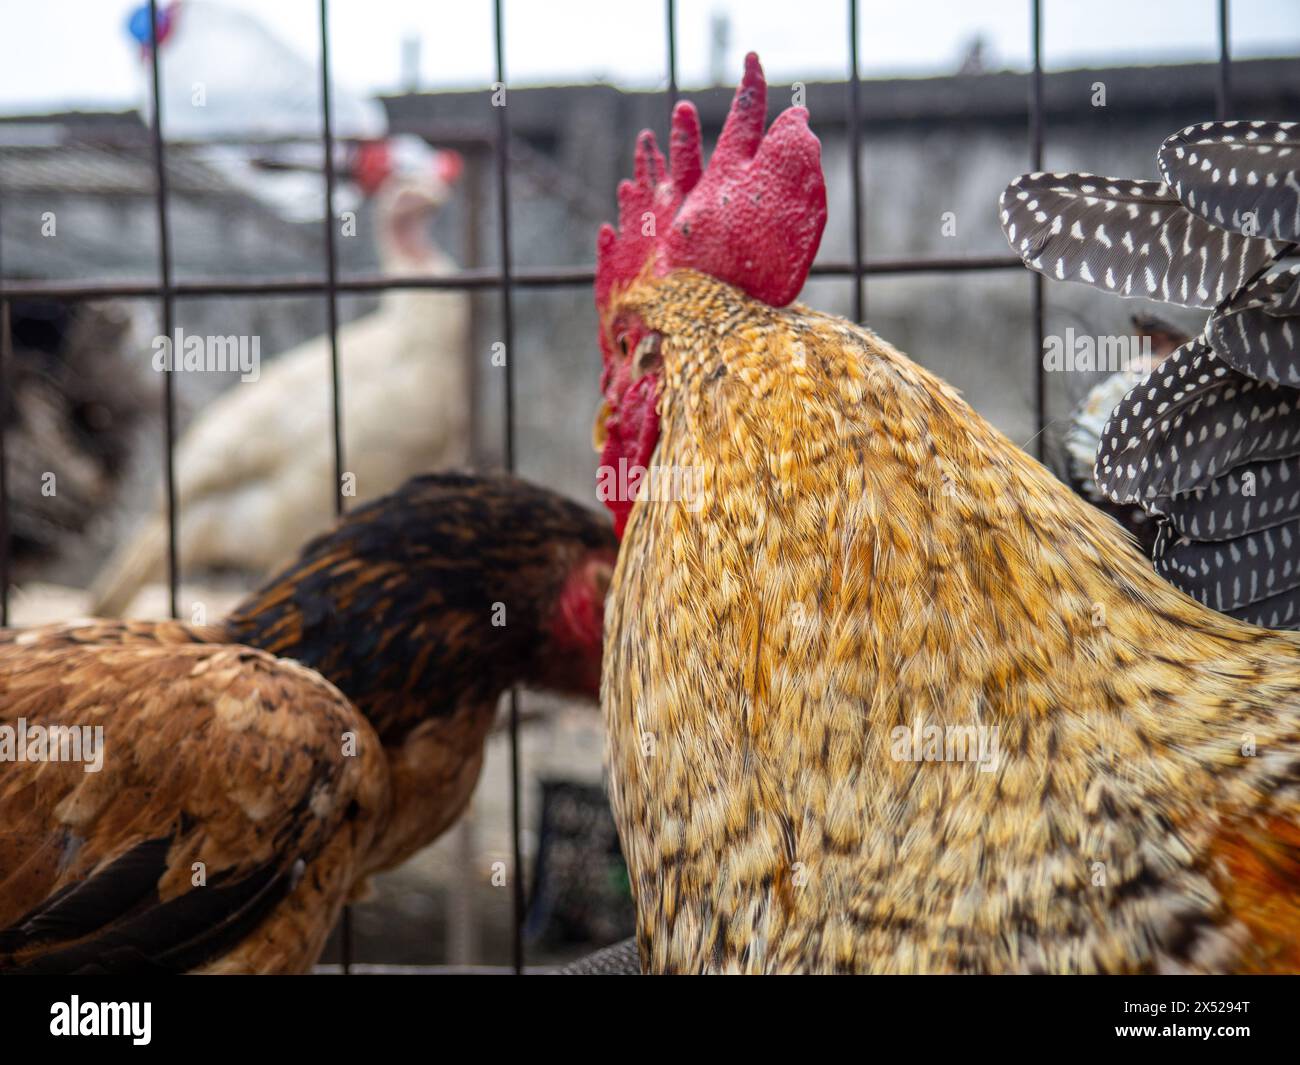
[754, 218]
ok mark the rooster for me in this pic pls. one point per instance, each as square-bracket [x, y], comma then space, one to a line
[1209, 443]
[881, 693]
[253, 472]
[254, 772]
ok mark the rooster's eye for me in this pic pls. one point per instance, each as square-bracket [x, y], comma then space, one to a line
[646, 358]
[622, 343]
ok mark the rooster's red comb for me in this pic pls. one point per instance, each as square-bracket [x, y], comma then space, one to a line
[754, 218]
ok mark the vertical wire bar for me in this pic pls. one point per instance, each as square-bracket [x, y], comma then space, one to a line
[1036, 280]
[331, 256]
[1223, 95]
[508, 338]
[855, 147]
[168, 311]
[6, 360]
[332, 309]
[670, 16]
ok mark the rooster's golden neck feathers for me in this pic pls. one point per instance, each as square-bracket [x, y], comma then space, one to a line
[867, 555]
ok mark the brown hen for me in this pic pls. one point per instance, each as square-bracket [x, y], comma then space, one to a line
[243, 792]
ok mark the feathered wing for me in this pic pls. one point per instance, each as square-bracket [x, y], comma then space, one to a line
[1209, 442]
[1214, 454]
[1257, 331]
[1130, 238]
[1188, 422]
[1253, 576]
[1238, 175]
[222, 829]
[1258, 852]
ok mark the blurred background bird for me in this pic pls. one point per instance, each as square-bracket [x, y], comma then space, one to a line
[882, 693]
[254, 470]
[1088, 419]
[1207, 444]
[326, 730]
[72, 411]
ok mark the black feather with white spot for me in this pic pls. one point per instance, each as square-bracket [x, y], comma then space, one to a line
[1132, 238]
[1281, 611]
[1233, 574]
[1258, 330]
[1190, 420]
[1240, 176]
[1254, 496]
[1209, 441]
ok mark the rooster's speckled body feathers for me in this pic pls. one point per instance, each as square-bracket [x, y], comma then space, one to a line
[870, 554]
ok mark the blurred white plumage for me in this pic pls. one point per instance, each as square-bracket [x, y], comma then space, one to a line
[255, 471]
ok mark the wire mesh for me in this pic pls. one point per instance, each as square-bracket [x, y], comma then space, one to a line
[505, 279]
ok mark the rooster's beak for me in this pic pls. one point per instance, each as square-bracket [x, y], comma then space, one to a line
[598, 427]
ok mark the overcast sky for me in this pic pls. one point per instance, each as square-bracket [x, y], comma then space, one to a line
[61, 53]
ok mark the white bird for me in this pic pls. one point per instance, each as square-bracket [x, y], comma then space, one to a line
[255, 470]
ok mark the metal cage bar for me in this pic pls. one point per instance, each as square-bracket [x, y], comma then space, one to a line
[670, 21]
[855, 169]
[517, 894]
[1036, 279]
[1223, 95]
[331, 256]
[168, 301]
[472, 280]
[332, 318]
[505, 279]
[6, 343]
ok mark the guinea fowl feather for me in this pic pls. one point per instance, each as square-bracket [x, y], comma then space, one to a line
[1207, 443]
[1240, 176]
[1251, 497]
[1187, 423]
[1233, 573]
[1257, 332]
[1129, 238]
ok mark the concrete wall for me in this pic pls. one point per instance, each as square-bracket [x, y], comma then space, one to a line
[929, 146]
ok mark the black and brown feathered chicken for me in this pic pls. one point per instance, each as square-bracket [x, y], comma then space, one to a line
[254, 772]
[1208, 443]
